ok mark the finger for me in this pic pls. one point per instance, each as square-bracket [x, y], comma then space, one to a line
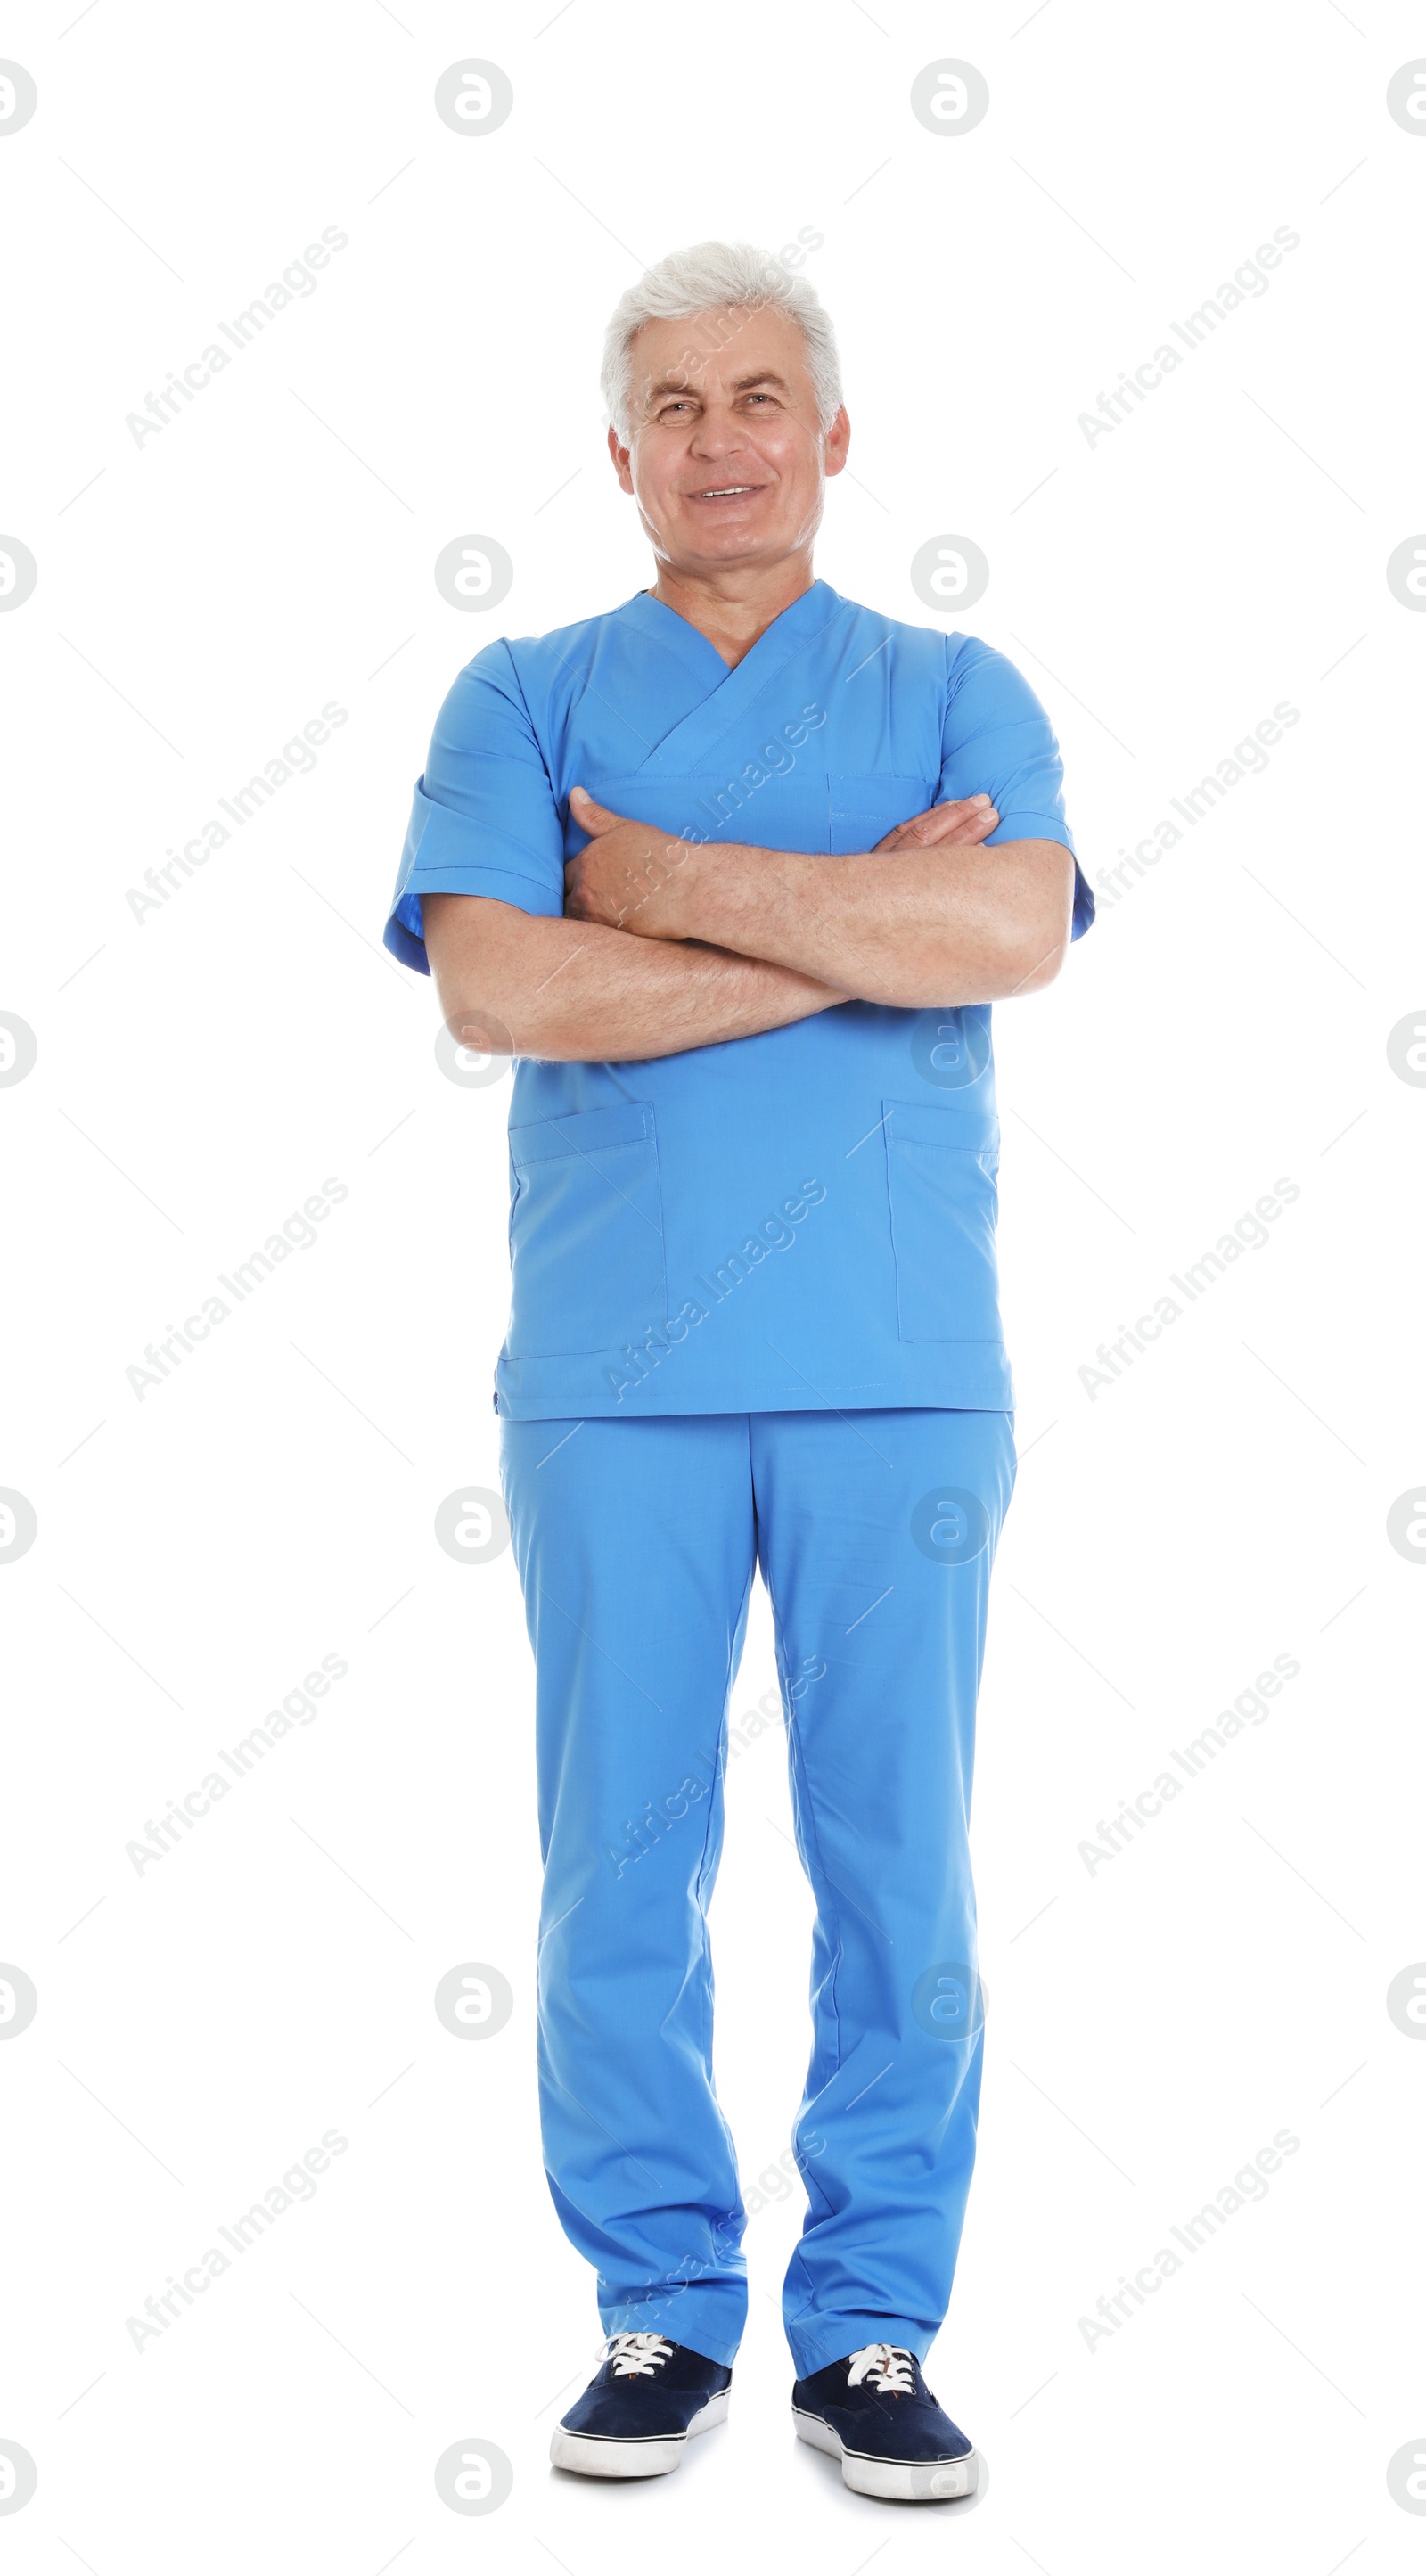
[582, 906]
[586, 902]
[967, 836]
[959, 819]
[917, 827]
[950, 811]
[962, 813]
[974, 826]
[589, 815]
[959, 824]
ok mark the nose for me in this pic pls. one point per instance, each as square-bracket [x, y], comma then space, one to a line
[718, 433]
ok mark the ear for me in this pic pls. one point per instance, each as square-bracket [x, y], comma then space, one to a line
[836, 443]
[620, 457]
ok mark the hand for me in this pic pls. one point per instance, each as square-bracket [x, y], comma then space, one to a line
[629, 876]
[962, 820]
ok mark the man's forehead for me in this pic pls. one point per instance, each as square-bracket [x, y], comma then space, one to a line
[728, 347]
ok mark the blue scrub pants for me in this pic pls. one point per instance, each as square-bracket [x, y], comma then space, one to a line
[636, 1543]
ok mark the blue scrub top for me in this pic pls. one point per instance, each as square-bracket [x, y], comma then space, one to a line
[798, 1220]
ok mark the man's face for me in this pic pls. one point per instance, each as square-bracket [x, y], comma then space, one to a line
[726, 456]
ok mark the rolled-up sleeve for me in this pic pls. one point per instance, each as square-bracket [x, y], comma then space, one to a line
[997, 740]
[484, 818]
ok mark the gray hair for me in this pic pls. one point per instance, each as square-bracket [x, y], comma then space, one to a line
[706, 279]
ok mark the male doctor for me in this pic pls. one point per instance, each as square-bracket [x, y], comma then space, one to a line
[734, 871]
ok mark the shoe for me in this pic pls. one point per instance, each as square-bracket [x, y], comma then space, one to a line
[635, 2417]
[876, 2414]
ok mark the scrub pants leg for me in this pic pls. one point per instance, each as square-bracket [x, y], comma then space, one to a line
[876, 1533]
[635, 1543]
[635, 1546]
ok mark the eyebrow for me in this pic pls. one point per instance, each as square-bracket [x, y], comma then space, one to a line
[682, 387]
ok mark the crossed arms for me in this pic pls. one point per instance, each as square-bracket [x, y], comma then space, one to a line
[666, 945]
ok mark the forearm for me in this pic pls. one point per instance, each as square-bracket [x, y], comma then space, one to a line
[576, 991]
[913, 929]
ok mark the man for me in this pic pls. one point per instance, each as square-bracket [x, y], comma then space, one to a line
[734, 872]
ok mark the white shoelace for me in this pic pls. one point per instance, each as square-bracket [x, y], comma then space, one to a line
[637, 2355]
[889, 2368]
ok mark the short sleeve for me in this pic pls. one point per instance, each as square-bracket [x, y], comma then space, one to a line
[484, 819]
[997, 739]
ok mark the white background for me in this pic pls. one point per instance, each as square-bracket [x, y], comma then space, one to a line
[201, 1071]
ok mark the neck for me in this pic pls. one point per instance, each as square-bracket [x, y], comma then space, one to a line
[737, 603]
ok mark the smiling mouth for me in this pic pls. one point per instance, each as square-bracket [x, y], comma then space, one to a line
[726, 492]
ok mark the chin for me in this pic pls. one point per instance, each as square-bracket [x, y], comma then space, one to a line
[729, 539]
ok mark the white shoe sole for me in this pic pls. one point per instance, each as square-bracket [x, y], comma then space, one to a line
[592, 2457]
[895, 2481]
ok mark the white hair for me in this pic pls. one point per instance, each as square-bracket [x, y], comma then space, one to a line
[707, 279]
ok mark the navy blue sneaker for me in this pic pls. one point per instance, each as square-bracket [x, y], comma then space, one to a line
[635, 2417]
[875, 2413]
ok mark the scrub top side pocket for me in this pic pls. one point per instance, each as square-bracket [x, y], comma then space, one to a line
[586, 1232]
[942, 1166]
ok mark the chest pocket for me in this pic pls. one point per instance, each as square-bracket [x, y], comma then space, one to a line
[942, 1166]
[864, 810]
[586, 1232]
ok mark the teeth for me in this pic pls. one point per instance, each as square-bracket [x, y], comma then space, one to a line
[724, 492]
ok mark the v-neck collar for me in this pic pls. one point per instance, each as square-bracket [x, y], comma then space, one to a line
[727, 693]
[801, 617]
